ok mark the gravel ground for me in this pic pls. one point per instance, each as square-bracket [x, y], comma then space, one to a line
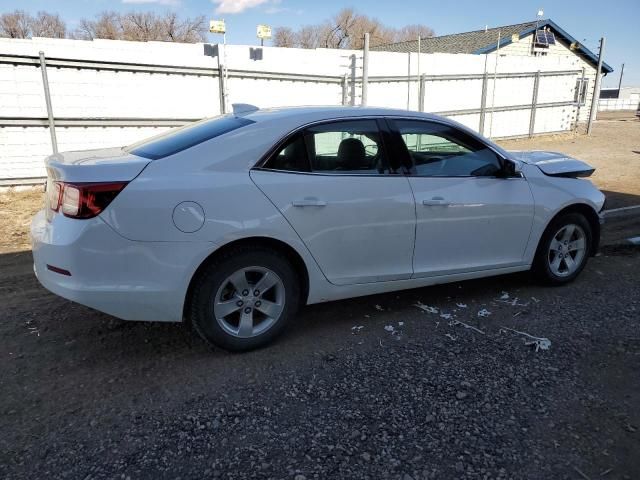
[374, 387]
[410, 394]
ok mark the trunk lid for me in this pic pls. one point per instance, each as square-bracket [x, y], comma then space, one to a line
[555, 164]
[99, 165]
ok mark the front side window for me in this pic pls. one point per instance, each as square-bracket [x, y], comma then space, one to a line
[348, 147]
[439, 150]
[179, 139]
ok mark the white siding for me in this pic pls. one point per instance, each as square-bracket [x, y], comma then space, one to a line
[524, 47]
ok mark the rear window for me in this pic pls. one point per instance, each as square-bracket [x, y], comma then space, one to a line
[179, 139]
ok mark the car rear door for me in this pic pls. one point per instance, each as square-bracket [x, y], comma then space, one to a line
[332, 184]
[469, 216]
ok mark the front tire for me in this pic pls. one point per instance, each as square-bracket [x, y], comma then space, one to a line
[245, 298]
[563, 250]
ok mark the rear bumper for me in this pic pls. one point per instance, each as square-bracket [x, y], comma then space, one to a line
[129, 280]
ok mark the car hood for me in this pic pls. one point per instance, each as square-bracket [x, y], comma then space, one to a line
[555, 164]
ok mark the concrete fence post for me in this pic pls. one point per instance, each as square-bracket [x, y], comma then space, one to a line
[345, 90]
[534, 104]
[352, 81]
[593, 112]
[47, 99]
[422, 87]
[483, 102]
[223, 89]
[365, 70]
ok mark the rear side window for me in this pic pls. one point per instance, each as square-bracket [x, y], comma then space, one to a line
[292, 157]
[351, 147]
[179, 139]
[346, 148]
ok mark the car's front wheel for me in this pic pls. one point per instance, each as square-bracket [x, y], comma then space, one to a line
[245, 298]
[564, 249]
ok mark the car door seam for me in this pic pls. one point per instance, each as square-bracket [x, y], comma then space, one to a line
[292, 227]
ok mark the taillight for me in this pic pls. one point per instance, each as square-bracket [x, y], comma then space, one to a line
[54, 191]
[82, 200]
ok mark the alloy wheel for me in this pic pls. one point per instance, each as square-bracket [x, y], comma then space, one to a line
[249, 302]
[567, 250]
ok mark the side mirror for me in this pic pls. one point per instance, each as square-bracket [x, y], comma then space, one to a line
[511, 168]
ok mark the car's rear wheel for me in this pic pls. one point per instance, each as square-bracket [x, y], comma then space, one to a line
[245, 298]
[564, 249]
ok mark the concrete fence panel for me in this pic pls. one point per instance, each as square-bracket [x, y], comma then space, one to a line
[110, 93]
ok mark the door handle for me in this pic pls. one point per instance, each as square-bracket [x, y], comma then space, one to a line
[309, 202]
[436, 201]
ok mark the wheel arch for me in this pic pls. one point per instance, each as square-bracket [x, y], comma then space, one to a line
[589, 213]
[257, 241]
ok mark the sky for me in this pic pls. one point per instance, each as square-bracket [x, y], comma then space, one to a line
[587, 20]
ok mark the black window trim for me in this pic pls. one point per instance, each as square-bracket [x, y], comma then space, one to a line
[389, 140]
[273, 151]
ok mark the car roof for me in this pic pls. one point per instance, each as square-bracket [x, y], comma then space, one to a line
[316, 113]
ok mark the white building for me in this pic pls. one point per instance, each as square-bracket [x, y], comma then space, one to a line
[532, 39]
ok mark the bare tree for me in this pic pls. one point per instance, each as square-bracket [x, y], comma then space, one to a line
[346, 29]
[309, 36]
[184, 31]
[141, 26]
[48, 25]
[144, 26]
[15, 25]
[285, 37]
[106, 25]
[412, 32]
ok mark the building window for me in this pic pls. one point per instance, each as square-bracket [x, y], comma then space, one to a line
[580, 94]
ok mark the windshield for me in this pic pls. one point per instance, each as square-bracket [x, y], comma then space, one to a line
[179, 139]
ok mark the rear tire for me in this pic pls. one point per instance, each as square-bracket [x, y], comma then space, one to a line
[563, 250]
[245, 298]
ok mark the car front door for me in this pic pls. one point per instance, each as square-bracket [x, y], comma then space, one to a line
[470, 217]
[332, 184]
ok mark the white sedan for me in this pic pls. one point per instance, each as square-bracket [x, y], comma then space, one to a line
[232, 223]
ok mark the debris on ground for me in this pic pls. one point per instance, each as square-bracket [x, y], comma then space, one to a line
[514, 302]
[484, 313]
[465, 325]
[446, 316]
[379, 308]
[461, 305]
[539, 343]
[425, 308]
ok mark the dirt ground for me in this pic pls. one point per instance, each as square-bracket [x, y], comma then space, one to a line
[614, 149]
[16, 210]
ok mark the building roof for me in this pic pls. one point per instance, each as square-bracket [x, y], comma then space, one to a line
[485, 41]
